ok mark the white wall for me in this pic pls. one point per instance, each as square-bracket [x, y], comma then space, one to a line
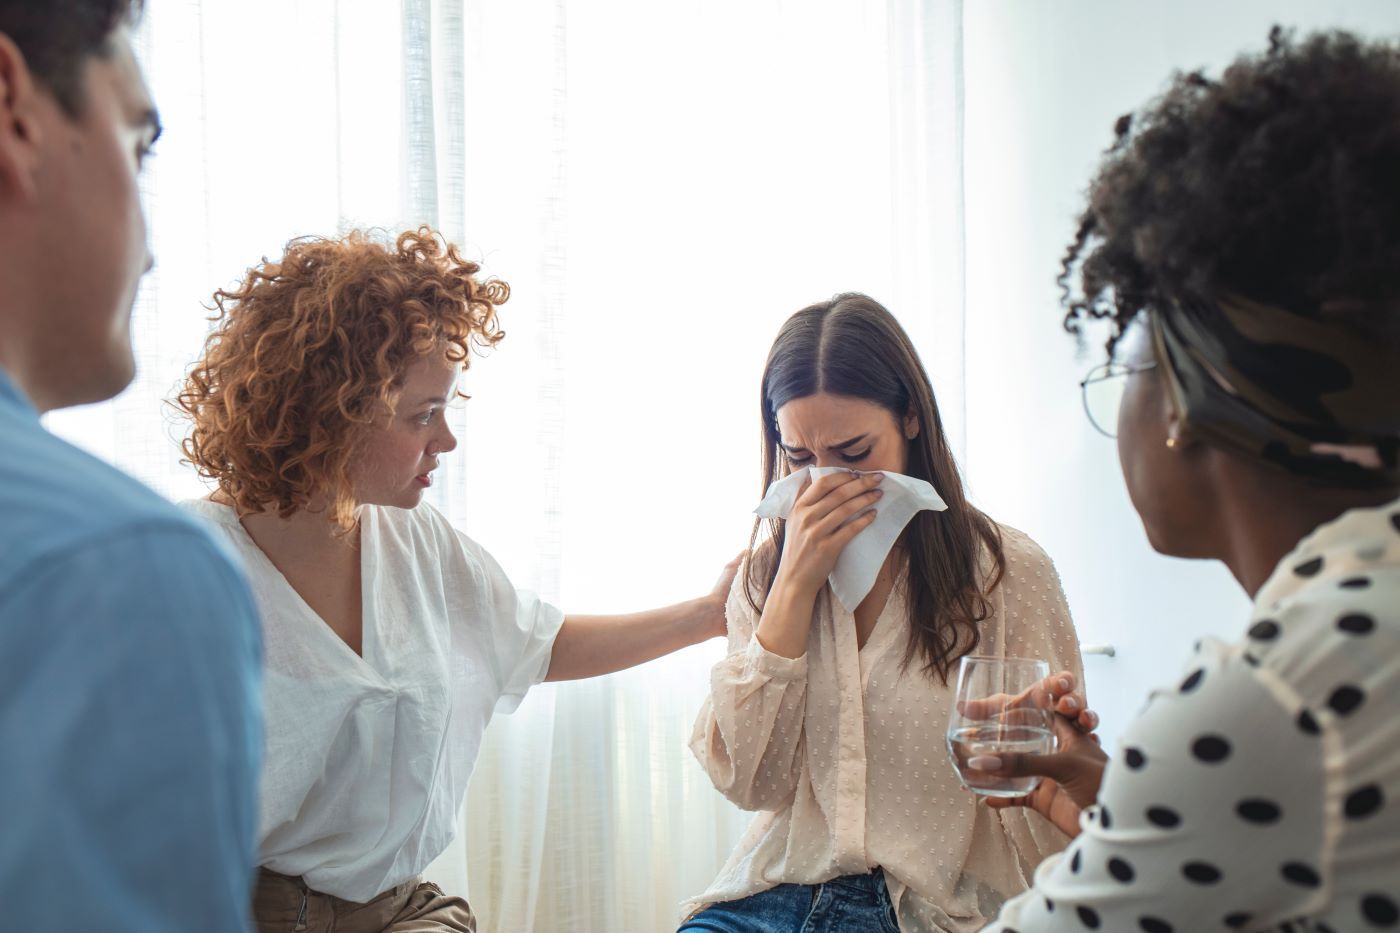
[1044, 83]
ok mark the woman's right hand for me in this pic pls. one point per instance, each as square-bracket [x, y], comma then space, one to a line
[828, 514]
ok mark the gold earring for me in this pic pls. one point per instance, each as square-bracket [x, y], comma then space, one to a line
[1171, 443]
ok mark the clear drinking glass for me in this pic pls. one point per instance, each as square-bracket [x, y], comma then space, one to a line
[1000, 708]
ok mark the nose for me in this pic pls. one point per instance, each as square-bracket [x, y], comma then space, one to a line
[447, 442]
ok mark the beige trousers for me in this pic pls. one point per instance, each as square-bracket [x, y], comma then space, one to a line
[283, 904]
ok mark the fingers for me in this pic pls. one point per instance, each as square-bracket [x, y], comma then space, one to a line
[843, 535]
[1059, 767]
[829, 492]
[1069, 701]
[837, 520]
[1002, 803]
[1061, 683]
[989, 706]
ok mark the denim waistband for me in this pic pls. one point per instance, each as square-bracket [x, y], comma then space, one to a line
[871, 884]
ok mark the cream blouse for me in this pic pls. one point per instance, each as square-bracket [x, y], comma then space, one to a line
[843, 756]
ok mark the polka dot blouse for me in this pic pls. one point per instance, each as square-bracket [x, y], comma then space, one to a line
[843, 756]
[1262, 790]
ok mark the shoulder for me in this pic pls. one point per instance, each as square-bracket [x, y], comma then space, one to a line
[1328, 621]
[1026, 563]
[57, 501]
[139, 596]
[424, 525]
[425, 536]
[755, 569]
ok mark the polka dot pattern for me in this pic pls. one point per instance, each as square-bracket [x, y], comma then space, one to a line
[1309, 568]
[1259, 811]
[1211, 749]
[1357, 623]
[1344, 700]
[1227, 818]
[1165, 817]
[1300, 874]
[1380, 911]
[1364, 802]
[1265, 630]
[1201, 873]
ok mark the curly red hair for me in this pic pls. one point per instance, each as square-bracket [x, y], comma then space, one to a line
[307, 352]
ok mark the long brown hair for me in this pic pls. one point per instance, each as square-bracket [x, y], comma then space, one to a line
[852, 346]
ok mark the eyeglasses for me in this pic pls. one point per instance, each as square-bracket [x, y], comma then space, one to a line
[1103, 394]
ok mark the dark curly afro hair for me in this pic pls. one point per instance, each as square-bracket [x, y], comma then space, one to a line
[1280, 182]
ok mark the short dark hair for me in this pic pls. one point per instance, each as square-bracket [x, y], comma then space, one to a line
[57, 37]
[1278, 182]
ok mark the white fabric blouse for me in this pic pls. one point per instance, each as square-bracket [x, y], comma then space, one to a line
[844, 756]
[1262, 791]
[368, 757]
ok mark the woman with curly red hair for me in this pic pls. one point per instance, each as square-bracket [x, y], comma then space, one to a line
[391, 638]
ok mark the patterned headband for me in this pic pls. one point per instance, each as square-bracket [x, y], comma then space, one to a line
[1310, 396]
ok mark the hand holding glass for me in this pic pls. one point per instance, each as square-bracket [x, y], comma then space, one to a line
[1001, 708]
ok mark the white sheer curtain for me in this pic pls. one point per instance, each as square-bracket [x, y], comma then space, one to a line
[661, 184]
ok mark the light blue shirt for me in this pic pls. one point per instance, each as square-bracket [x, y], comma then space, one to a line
[130, 721]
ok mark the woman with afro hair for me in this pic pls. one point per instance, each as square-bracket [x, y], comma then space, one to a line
[1242, 242]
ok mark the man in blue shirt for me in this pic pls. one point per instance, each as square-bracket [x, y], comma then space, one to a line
[130, 731]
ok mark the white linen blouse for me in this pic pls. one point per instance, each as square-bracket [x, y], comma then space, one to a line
[844, 756]
[1262, 790]
[368, 756]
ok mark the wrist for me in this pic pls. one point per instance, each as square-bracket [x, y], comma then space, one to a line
[704, 619]
[796, 585]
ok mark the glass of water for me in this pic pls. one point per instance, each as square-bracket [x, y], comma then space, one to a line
[1001, 708]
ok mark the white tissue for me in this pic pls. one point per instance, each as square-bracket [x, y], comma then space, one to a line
[859, 564]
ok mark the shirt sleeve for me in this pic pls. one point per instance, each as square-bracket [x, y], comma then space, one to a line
[131, 723]
[1210, 815]
[1038, 625]
[522, 633]
[749, 735]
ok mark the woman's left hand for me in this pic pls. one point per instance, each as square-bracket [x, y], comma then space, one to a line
[1064, 697]
[1071, 775]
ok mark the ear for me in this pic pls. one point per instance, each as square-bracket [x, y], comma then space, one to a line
[911, 425]
[19, 123]
[1179, 436]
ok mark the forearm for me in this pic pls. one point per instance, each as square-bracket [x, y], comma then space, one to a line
[787, 618]
[752, 725]
[589, 646]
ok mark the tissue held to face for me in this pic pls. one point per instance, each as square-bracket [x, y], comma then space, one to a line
[827, 430]
[399, 456]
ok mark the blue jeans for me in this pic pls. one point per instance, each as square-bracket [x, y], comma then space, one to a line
[842, 905]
